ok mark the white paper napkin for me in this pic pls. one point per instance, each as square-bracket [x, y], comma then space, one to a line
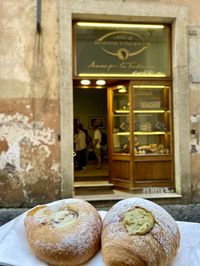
[189, 251]
[15, 251]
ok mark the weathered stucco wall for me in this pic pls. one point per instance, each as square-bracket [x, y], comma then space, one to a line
[31, 154]
[29, 105]
[192, 6]
[194, 49]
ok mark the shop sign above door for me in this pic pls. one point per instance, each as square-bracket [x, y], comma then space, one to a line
[111, 49]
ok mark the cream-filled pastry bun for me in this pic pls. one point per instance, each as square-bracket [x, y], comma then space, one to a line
[138, 232]
[66, 232]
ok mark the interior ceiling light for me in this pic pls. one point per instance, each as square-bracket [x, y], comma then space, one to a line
[119, 25]
[120, 86]
[122, 89]
[101, 82]
[85, 82]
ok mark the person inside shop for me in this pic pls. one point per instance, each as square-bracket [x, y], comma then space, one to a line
[80, 147]
[97, 143]
[88, 143]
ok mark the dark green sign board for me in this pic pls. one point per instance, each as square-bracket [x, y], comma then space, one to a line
[122, 51]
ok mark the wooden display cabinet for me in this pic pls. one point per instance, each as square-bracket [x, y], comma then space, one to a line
[141, 150]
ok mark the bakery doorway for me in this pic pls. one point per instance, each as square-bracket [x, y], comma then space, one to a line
[90, 112]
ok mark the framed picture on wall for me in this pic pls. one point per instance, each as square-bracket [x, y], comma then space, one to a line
[98, 120]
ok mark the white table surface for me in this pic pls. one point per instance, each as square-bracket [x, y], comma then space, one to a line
[15, 251]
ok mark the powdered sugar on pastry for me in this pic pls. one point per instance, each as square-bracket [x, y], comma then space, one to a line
[66, 232]
[155, 247]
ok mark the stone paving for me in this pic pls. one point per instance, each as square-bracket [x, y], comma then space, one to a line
[189, 213]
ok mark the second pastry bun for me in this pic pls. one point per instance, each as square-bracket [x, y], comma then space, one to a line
[67, 232]
[138, 232]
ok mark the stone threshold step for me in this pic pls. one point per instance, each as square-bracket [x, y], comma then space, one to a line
[90, 178]
[82, 184]
[120, 195]
[90, 174]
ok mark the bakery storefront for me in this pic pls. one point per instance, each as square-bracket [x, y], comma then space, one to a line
[146, 92]
[134, 60]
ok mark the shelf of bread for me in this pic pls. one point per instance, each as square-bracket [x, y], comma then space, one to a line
[151, 149]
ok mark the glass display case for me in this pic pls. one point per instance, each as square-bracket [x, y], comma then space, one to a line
[152, 119]
[141, 134]
[121, 118]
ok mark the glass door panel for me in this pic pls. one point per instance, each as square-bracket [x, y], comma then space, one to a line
[141, 135]
[121, 113]
[151, 119]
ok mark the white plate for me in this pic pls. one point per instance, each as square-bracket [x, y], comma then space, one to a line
[14, 249]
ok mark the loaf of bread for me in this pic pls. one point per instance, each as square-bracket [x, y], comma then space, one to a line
[138, 232]
[67, 232]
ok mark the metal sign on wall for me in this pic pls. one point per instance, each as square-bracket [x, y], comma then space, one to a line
[111, 49]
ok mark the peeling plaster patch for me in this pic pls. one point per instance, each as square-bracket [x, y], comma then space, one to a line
[3, 145]
[15, 184]
[37, 124]
[25, 194]
[5, 158]
[29, 167]
[17, 129]
[56, 178]
[195, 166]
[46, 149]
[55, 167]
[43, 136]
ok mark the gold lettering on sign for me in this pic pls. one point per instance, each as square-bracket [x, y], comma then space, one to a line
[134, 65]
[122, 44]
[107, 67]
[124, 65]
